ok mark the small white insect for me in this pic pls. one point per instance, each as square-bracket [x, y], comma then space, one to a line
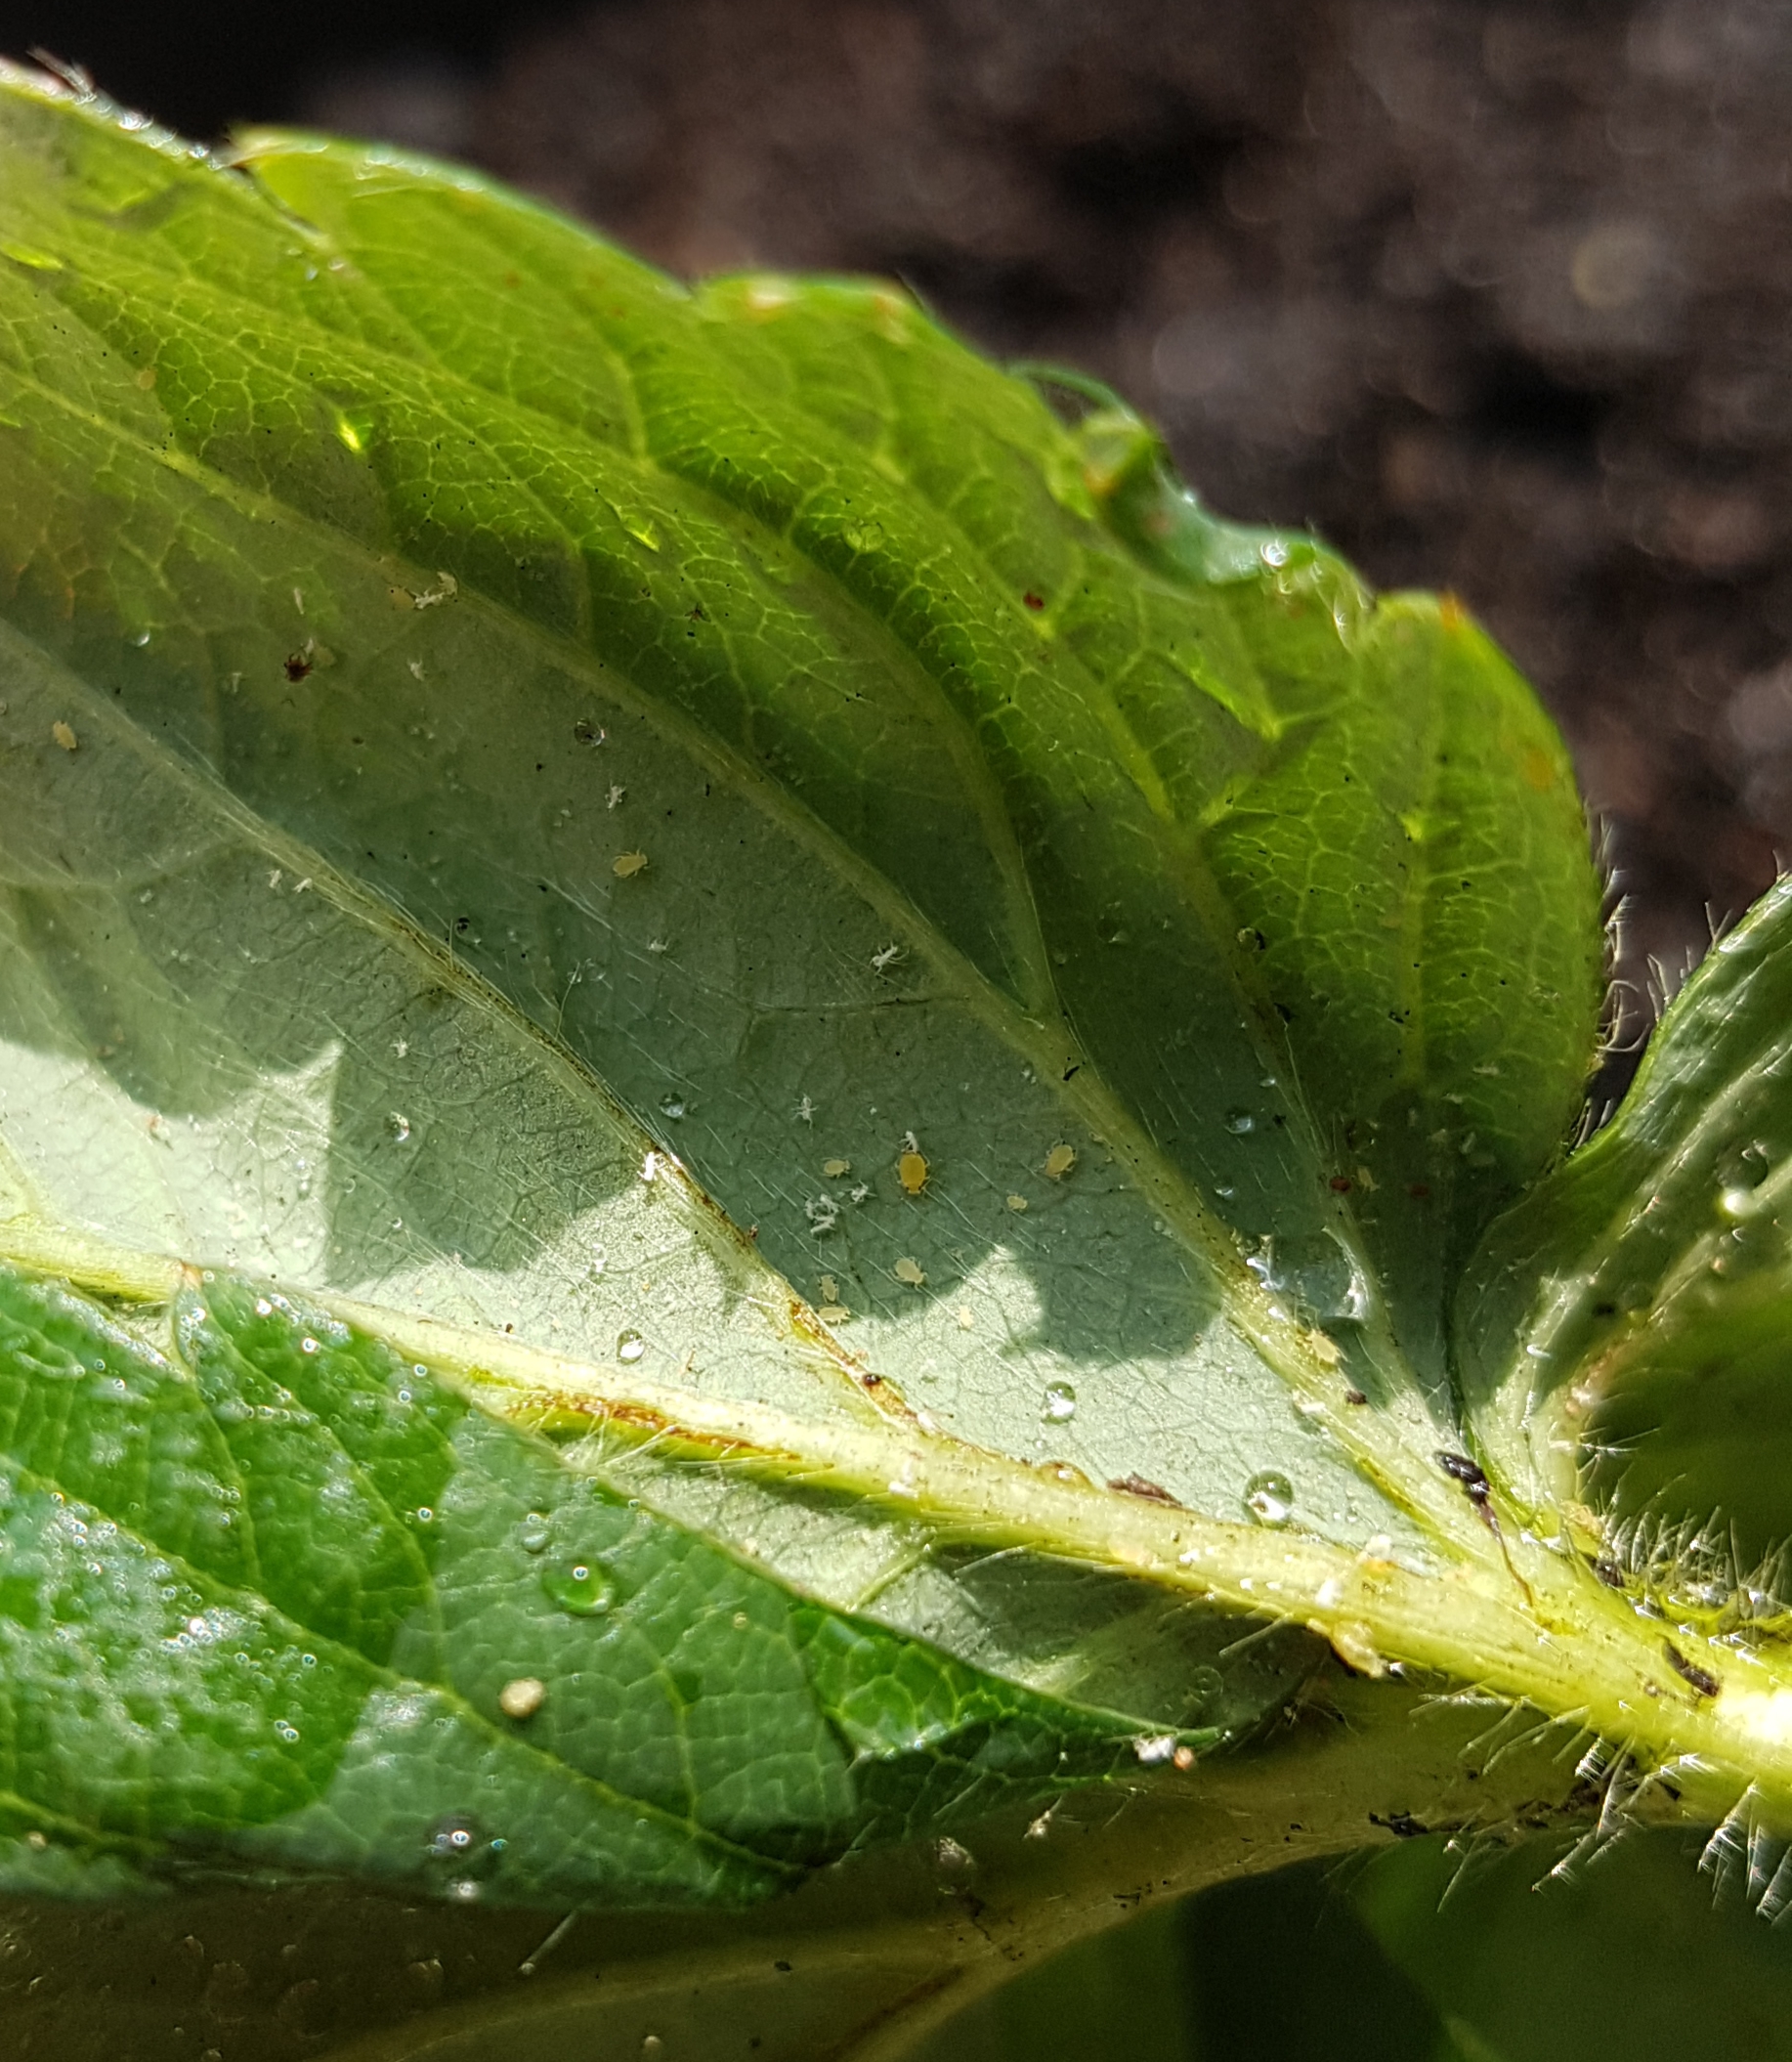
[886, 956]
[805, 1110]
[615, 795]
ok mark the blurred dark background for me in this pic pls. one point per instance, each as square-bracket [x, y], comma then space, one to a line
[1493, 295]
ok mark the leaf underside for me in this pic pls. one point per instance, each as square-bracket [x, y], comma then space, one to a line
[702, 1016]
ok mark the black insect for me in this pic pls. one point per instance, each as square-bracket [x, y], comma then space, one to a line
[1479, 1492]
[1702, 1680]
[1476, 1486]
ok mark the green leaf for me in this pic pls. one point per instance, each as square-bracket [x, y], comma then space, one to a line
[307, 1594]
[1636, 1306]
[827, 1000]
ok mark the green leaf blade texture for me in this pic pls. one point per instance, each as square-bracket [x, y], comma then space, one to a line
[701, 1735]
[915, 1036]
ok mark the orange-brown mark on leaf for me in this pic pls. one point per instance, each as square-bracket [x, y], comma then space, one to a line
[1539, 769]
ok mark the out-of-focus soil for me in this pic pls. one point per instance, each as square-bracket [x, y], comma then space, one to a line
[1494, 295]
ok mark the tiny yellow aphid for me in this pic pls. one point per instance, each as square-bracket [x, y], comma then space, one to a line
[1059, 1161]
[912, 1171]
[833, 1169]
[909, 1270]
[627, 863]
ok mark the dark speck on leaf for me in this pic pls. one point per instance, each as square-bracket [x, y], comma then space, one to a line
[1032, 600]
[1402, 1825]
[297, 666]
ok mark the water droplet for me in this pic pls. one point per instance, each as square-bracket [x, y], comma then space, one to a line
[580, 1588]
[671, 1106]
[1737, 1202]
[459, 1853]
[534, 1534]
[1060, 1404]
[630, 1345]
[399, 1125]
[1269, 1497]
[1239, 1122]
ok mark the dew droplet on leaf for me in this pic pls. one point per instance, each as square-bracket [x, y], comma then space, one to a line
[1060, 1404]
[1269, 1497]
[578, 1588]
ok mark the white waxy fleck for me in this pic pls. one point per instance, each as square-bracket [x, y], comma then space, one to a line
[615, 795]
[886, 956]
[1155, 1748]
